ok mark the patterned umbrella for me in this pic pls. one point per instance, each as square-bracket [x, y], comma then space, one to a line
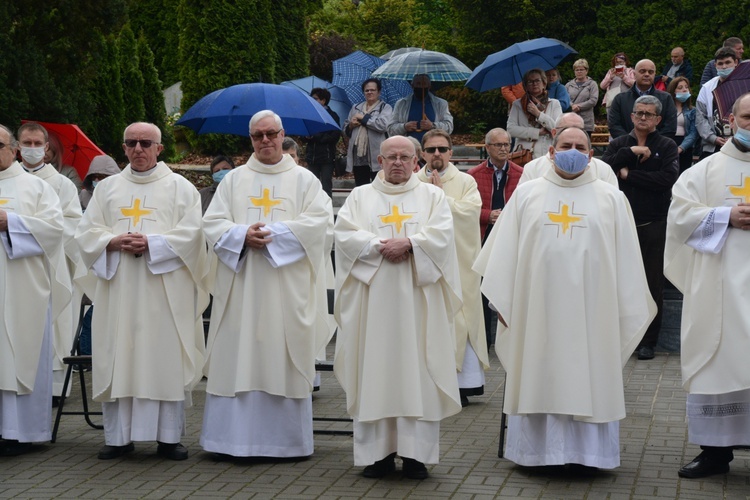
[734, 86]
[440, 67]
[397, 52]
[228, 111]
[350, 71]
[508, 66]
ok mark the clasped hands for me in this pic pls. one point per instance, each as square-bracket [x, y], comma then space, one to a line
[257, 238]
[395, 249]
[420, 125]
[133, 243]
[739, 217]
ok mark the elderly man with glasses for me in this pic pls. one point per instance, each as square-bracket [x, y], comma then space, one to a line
[270, 224]
[647, 165]
[141, 236]
[398, 290]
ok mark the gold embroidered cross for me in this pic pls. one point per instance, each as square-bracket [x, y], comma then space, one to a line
[135, 212]
[265, 201]
[743, 191]
[396, 218]
[563, 218]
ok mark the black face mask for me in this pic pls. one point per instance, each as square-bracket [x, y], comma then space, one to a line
[421, 93]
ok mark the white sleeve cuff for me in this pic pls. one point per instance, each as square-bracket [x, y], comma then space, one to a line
[18, 240]
[106, 264]
[284, 248]
[229, 247]
[710, 235]
[160, 257]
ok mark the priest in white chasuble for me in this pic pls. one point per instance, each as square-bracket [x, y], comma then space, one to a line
[141, 236]
[563, 270]
[397, 292]
[34, 290]
[706, 257]
[465, 203]
[34, 143]
[267, 225]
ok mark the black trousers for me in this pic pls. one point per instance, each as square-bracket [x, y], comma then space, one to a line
[652, 237]
[324, 172]
[363, 174]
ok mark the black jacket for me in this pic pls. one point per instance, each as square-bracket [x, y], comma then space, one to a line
[321, 147]
[649, 184]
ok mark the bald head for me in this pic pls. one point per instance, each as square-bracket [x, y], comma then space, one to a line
[568, 120]
[397, 159]
[677, 55]
[645, 70]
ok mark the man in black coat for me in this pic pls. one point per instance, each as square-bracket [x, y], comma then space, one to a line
[647, 165]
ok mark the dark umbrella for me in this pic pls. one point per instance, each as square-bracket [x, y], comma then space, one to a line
[736, 84]
[350, 71]
[78, 149]
[339, 100]
[228, 111]
[508, 66]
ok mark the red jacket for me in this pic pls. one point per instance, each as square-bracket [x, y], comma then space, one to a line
[484, 174]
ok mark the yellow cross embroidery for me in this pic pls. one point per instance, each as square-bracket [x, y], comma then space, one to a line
[742, 192]
[3, 202]
[265, 201]
[135, 211]
[396, 218]
[563, 218]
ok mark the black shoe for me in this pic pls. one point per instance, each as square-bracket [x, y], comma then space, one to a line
[381, 467]
[172, 451]
[464, 401]
[108, 452]
[414, 469]
[12, 448]
[55, 401]
[704, 465]
[645, 352]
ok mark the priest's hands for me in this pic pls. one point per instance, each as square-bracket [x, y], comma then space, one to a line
[396, 249]
[739, 217]
[435, 179]
[257, 238]
[3, 220]
[135, 243]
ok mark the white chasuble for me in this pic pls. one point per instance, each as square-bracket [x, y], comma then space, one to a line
[564, 271]
[147, 331]
[395, 351]
[265, 324]
[65, 324]
[33, 276]
[715, 313]
[465, 203]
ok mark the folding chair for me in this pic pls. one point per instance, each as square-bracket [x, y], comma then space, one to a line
[328, 367]
[80, 362]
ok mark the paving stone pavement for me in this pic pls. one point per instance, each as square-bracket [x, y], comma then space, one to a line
[653, 443]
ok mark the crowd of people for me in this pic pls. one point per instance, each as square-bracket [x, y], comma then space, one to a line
[569, 253]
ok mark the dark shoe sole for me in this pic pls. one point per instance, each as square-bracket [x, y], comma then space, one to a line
[705, 472]
[175, 452]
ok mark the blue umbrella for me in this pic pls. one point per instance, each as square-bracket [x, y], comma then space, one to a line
[339, 100]
[440, 67]
[508, 66]
[228, 111]
[350, 71]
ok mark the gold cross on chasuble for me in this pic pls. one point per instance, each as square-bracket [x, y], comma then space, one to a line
[135, 212]
[563, 218]
[265, 202]
[742, 191]
[395, 218]
[3, 201]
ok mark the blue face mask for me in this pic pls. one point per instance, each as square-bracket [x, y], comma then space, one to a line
[219, 175]
[682, 96]
[571, 161]
[93, 184]
[742, 136]
[723, 73]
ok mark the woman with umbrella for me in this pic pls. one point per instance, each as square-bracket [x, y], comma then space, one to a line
[532, 117]
[366, 127]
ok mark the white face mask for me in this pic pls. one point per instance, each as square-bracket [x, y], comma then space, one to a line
[32, 156]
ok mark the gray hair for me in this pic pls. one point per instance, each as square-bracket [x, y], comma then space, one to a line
[289, 144]
[566, 117]
[648, 100]
[156, 129]
[497, 130]
[13, 143]
[264, 114]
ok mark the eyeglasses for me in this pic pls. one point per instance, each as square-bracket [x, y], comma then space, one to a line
[644, 115]
[402, 159]
[145, 143]
[258, 136]
[500, 145]
[431, 150]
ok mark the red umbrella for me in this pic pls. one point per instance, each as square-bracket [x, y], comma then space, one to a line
[78, 149]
